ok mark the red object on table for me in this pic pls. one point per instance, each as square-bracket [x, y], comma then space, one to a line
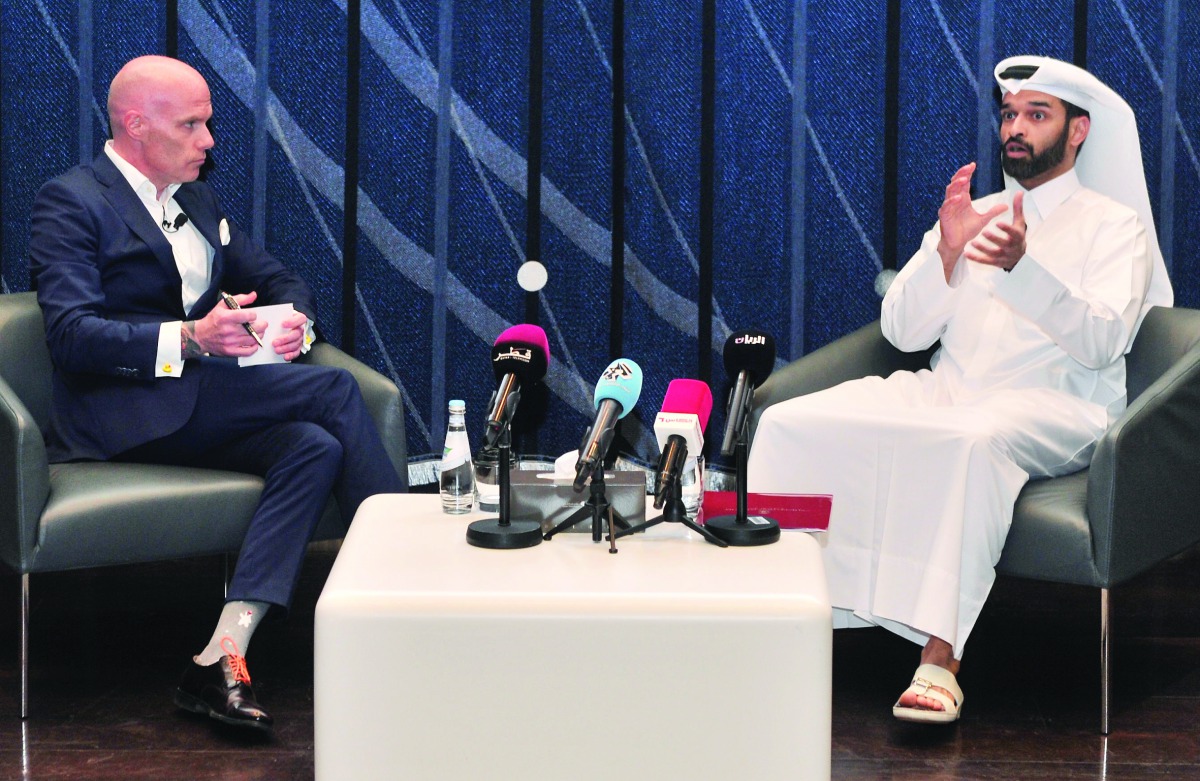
[805, 512]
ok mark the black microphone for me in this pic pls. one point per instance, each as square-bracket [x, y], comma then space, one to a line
[519, 357]
[750, 356]
[180, 220]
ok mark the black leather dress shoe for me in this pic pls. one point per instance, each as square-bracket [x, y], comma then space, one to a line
[222, 691]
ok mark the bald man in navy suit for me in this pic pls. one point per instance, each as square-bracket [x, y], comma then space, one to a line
[130, 256]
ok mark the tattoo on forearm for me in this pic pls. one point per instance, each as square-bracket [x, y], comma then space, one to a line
[188, 345]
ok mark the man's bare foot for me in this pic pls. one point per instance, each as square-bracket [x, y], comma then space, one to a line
[937, 652]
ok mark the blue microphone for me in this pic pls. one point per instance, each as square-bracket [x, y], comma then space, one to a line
[616, 394]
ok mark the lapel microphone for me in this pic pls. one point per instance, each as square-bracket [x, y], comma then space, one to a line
[171, 227]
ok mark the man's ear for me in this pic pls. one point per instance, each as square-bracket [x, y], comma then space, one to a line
[134, 123]
[1079, 127]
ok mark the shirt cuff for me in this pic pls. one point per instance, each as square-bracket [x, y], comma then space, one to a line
[310, 336]
[169, 361]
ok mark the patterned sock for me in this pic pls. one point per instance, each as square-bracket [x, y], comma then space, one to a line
[232, 636]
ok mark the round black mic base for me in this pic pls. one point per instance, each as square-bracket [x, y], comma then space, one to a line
[489, 533]
[759, 531]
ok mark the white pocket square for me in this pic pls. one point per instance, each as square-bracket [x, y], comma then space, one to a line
[223, 229]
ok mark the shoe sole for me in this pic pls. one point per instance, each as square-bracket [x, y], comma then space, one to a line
[923, 716]
[196, 705]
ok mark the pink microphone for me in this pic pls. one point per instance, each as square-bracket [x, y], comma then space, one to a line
[519, 357]
[679, 428]
[521, 349]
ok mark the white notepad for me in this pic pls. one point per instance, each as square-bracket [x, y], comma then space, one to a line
[274, 315]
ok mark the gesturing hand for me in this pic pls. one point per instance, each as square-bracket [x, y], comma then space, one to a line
[1004, 243]
[958, 220]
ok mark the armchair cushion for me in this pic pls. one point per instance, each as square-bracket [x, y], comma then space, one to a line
[102, 513]
[1050, 533]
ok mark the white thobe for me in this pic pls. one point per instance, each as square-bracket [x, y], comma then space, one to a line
[924, 468]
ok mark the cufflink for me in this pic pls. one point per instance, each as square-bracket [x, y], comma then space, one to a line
[167, 368]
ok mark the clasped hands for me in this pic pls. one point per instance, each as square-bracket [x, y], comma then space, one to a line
[222, 331]
[963, 235]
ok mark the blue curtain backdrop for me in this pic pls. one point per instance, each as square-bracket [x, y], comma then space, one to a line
[810, 103]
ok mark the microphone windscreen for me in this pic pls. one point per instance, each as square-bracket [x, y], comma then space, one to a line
[620, 382]
[752, 352]
[529, 334]
[689, 397]
[521, 350]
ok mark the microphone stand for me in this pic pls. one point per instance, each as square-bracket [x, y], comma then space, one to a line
[675, 511]
[502, 533]
[738, 529]
[598, 508]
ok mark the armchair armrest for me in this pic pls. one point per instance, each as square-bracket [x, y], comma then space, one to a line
[863, 353]
[23, 466]
[382, 397]
[1143, 499]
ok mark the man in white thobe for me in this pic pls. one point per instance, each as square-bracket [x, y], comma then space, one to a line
[1035, 294]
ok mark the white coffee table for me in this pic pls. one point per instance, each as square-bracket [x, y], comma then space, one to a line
[672, 659]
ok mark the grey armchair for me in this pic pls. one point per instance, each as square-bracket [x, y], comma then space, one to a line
[57, 517]
[1135, 506]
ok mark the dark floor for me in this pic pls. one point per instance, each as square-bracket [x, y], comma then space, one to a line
[108, 645]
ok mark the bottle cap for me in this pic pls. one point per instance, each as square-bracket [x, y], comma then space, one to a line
[457, 406]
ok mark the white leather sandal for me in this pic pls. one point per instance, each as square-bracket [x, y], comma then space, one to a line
[924, 680]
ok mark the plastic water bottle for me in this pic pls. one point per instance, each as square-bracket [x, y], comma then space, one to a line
[692, 484]
[457, 479]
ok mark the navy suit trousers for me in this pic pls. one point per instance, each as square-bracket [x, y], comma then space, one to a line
[306, 431]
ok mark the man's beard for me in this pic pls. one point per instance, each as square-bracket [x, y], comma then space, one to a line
[1035, 164]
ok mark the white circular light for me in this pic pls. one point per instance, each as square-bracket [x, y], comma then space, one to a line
[531, 276]
[884, 280]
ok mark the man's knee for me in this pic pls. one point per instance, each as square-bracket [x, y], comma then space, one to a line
[317, 445]
[332, 378]
[337, 387]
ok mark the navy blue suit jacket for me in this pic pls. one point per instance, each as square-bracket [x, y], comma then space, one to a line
[106, 279]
